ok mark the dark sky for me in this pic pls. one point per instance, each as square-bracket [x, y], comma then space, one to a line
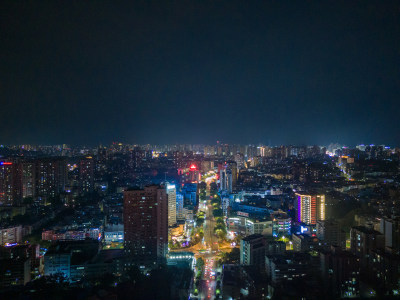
[279, 72]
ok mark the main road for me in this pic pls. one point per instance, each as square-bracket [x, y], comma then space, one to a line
[210, 239]
[207, 250]
[208, 282]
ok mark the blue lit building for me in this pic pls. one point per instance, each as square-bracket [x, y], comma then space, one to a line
[179, 207]
[189, 192]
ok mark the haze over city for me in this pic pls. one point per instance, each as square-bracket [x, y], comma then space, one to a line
[269, 72]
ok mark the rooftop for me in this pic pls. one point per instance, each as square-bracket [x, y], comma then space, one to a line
[252, 237]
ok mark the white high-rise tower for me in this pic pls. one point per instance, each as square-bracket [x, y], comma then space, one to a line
[171, 192]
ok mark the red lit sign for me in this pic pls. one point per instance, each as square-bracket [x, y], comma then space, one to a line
[193, 167]
[5, 163]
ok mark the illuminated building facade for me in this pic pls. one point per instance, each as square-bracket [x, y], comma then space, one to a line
[179, 207]
[245, 227]
[171, 193]
[51, 174]
[281, 226]
[310, 208]
[146, 225]
[226, 180]
[194, 174]
[190, 174]
[6, 182]
[28, 179]
[10, 183]
[228, 176]
[86, 177]
[114, 235]
[10, 235]
[42, 178]
[189, 191]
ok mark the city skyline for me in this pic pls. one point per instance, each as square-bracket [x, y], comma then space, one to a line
[170, 220]
[194, 145]
[191, 150]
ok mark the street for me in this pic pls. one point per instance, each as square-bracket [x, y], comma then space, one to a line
[208, 250]
[210, 239]
[208, 283]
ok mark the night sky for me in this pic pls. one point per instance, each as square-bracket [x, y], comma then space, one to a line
[272, 72]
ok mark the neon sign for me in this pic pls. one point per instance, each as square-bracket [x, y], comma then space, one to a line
[303, 229]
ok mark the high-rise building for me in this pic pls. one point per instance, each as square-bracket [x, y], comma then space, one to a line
[252, 250]
[239, 159]
[194, 174]
[10, 182]
[51, 174]
[86, 176]
[225, 179]
[228, 176]
[261, 151]
[310, 208]
[180, 216]
[17, 183]
[340, 272]
[6, 182]
[171, 193]
[330, 233]
[391, 229]
[179, 207]
[41, 178]
[206, 166]
[209, 150]
[146, 225]
[251, 151]
[363, 240]
[189, 191]
[28, 179]
[232, 165]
